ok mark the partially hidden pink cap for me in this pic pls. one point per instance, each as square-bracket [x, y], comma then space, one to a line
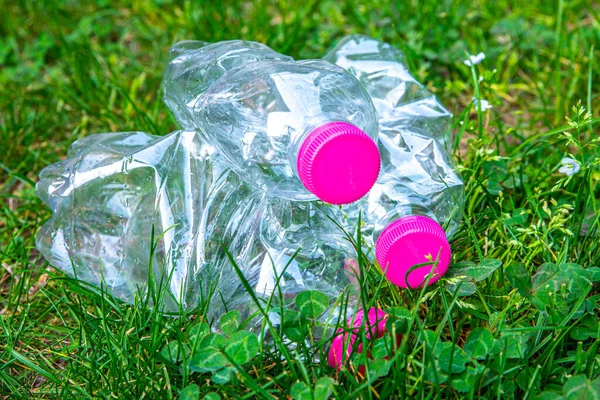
[338, 162]
[343, 343]
[409, 241]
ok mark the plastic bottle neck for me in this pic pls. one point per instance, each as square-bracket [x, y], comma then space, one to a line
[303, 132]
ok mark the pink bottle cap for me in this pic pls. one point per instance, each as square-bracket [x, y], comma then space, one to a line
[410, 241]
[338, 163]
[375, 328]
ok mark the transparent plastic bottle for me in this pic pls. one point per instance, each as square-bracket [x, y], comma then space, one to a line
[297, 248]
[194, 65]
[298, 130]
[116, 189]
[400, 100]
[415, 205]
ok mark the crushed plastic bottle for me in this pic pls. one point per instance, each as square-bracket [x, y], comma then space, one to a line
[297, 248]
[194, 65]
[415, 205]
[131, 208]
[400, 100]
[125, 202]
[298, 130]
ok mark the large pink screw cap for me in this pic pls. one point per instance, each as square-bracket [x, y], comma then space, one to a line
[342, 344]
[410, 241]
[338, 163]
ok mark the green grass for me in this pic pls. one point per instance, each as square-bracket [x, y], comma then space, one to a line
[70, 69]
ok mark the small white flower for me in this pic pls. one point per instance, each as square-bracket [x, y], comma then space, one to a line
[569, 166]
[485, 105]
[474, 60]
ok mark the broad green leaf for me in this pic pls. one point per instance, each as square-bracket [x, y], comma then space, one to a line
[594, 273]
[528, 378]
[297, 333]
[292, 318]
[508, 387]
[515, 344]
[592, 304]
[301, 392]
[497, 321]
[519, 278]
[191, 392]
[465, 381]
[581, 388]
[212, 341]
[479, 343]
[465, 287]
[175, 352]
[222, 376]
[478, 369]
[242, 347]
[398, 320]
[519, 217]
[382, 347]
[295, 326]
[312, 303]
[323, 388]
[548, 396]
[546, 283]
[580, 282]
[460, 268]
[378, 368]
[590, 321]
[462, 382]
[496, 172]
[584, 333]
[198, 331]
[466, 273]
[545, 277]
[230, 322]
[427, 336]
[212, 396]
[207, 360]
[497, 348]
[439, 347]
[434, 374]
[556, 289]
[453, 359]
[484, 269]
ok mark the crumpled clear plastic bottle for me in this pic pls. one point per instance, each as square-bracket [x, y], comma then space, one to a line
[418, 190]
[299, 130]
[115, 189]
[194, 65]
[298, 248]
[400, 100]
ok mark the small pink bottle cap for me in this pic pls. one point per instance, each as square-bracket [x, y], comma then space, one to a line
[375, 328]
[410, 241]
[338, 162]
